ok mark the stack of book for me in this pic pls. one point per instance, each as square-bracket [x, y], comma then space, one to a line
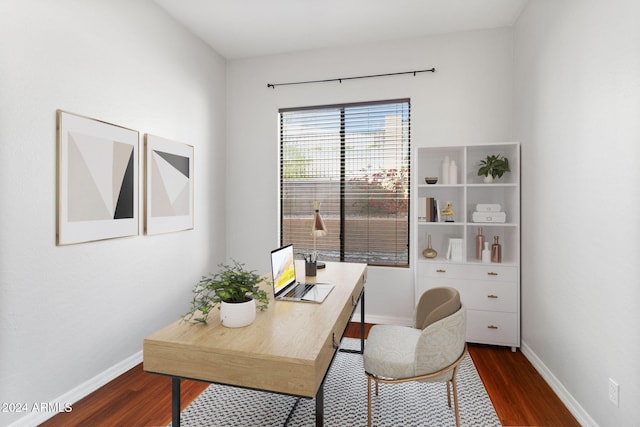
[488, 212]
[429, 209]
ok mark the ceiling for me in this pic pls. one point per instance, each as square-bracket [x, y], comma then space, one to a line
[246, 28]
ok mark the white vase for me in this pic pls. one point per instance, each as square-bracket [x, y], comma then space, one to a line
[445, 170]
[488, 179]
[237, 314]
[453, 173]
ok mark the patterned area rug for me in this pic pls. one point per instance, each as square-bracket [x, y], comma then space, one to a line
[345, 401]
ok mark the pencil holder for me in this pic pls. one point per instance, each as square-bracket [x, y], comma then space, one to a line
[310, 268]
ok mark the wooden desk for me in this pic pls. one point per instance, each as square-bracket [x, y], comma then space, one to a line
[288, 349]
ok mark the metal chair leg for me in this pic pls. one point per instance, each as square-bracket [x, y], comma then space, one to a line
[455, 401]
[452, 386]
[369, 401]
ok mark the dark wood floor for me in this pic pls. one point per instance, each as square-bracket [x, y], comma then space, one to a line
[519, 394]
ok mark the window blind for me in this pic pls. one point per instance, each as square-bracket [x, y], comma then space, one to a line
[355, 160]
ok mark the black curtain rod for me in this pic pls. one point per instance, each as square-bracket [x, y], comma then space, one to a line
[273, 85]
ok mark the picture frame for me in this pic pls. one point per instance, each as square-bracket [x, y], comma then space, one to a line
[454, 252]
[97, 180]
[169, 183]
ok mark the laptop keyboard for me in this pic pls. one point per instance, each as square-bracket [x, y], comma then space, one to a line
[299, 290]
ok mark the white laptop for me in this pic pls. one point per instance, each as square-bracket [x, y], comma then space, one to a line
[285, 286]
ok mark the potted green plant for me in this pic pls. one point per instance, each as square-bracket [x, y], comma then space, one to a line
[234, 290]
[494, 166]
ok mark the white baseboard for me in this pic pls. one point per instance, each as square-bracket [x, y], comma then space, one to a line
[83, 390]
[572, 404]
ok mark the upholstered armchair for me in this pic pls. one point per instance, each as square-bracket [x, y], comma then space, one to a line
[431, 351]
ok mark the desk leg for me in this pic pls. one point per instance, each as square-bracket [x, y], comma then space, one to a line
[175, 401]
[362, 323]
[320, 405]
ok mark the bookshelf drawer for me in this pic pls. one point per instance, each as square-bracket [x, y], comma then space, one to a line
[488, 327]
[478, 296]
[488, 272]
[490, 296]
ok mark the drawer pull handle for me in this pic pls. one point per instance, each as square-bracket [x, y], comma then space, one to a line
[354, 301]
[333, 343]
[492, 327]
[492, 273]
[440, 270]
[492, 296]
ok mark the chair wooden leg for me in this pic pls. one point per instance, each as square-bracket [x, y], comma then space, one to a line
[449, 393]
[369, 401]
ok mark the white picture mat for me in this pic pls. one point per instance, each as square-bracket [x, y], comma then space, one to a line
[155, 224]
[77, 231]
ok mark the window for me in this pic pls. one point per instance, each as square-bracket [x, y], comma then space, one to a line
[353, 159]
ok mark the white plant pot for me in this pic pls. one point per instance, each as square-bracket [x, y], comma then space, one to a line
[238, 314]
[488, 179]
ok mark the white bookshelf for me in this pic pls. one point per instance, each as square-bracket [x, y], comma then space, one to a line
[490, 291]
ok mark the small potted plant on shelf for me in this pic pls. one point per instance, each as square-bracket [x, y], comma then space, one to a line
[234, 290]
[494, 166]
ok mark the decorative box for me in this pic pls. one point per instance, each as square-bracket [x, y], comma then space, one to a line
[488, 207]
[489, 217]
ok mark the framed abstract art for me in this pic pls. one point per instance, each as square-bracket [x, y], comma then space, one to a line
[97, 180]
[168, 185]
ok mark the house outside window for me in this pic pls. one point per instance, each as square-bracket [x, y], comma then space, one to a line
[354, 159]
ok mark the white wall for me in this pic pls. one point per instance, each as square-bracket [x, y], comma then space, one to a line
[467, 100]
[577, 81]
[68, 314]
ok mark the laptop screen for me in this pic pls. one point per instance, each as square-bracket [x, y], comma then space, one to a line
[282, 268]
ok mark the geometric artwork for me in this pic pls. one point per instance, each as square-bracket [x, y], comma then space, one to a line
[168, 185]
[97, 180]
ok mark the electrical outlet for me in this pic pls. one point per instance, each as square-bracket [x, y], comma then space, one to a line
[614, 392]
